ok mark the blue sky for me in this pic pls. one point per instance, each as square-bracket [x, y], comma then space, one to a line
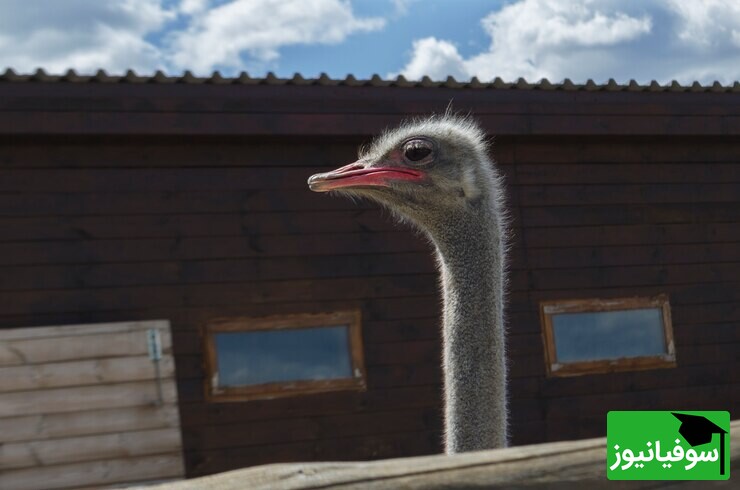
[645, 40]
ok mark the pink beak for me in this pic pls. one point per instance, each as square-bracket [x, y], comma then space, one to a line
[357, 175]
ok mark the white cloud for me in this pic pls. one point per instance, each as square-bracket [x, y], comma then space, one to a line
[200, 35]
[220, 37]
[599, 39]
[436, 59]
[542, 23]
[80, 34]
[533, 38]
[709, 22]
[402, 6]
[192, 7]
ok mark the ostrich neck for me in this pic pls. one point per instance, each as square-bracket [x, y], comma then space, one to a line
[471, 260]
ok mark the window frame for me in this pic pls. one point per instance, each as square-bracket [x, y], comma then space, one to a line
[264, 391]
[601, 366]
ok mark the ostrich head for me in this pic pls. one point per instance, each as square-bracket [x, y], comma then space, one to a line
[426, 171]
[436, 174]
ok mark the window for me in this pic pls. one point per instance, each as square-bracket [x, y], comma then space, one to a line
[258, 358]
[607, 335]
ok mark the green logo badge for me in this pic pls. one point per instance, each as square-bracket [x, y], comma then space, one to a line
[668, 445]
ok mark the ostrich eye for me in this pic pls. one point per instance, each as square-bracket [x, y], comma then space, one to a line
[417, 150]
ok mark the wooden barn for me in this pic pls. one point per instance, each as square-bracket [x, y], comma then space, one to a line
[176, 302]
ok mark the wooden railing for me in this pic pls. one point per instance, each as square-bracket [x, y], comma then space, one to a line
[559, 465]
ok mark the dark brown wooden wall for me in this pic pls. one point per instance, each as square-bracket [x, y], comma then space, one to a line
[617, 217]
[106, 214]
[186, 230]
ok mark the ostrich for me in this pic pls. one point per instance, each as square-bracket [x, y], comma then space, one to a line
[435, 174]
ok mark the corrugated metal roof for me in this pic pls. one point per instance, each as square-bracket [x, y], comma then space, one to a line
[376, 81]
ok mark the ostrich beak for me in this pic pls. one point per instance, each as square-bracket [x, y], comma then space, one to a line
[358, 175]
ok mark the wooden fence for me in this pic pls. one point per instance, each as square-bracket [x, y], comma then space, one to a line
[84, 405]
[554, 465]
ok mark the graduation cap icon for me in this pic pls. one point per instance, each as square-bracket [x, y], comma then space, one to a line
[698, 430]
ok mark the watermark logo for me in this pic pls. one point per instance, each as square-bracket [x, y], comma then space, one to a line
[668, 445]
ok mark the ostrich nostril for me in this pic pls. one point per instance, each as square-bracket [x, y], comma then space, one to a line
[349, 168]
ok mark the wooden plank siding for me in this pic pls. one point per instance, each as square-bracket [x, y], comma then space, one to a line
[287, 110]
[128, 202]
[80, 406]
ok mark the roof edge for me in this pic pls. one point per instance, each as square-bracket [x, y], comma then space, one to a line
[159, 77]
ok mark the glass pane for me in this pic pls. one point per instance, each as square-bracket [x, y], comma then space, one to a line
[270, 356]
[608, 334]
